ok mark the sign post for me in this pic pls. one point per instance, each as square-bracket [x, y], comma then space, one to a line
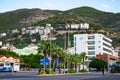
[44, 62]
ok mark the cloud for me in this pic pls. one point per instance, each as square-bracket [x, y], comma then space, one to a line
[105, 6]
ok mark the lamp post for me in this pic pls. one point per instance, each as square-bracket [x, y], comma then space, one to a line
[50, 57]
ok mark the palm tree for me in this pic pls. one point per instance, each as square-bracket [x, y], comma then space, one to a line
[83, 56]
[73, 60]
[44, 48]
[79, 60]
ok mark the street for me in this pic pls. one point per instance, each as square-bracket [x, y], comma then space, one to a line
[34, 76]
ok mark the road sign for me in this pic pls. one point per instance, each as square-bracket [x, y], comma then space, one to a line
[57, 62]
[44, 62]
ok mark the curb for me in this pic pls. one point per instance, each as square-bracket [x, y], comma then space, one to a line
[62, 74]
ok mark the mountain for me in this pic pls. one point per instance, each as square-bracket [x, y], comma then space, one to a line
[24, 17]
[107, 19]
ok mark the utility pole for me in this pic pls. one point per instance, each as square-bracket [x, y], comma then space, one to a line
[50, 57]
[65, 50]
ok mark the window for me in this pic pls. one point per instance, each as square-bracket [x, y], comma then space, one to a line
[107, 50]
[91, 53]
[75, 38]
[107, 40]
[91, 37]
[106, 45]
[74, 43]
[91, 48]
[75, 49]
[103, 58]
[99, 46]
[81, 38]
[91, 42]
[91, 58]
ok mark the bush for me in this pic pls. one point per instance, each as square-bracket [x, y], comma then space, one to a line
[42, 72]
[83, 70]
[49, 72]
[72, 71]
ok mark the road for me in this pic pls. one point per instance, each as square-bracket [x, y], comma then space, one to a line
[34, 76]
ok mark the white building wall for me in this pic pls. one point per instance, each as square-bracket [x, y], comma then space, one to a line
[81, 44]
[0, 43]
[75, 26]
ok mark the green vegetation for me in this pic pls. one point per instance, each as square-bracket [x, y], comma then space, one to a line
[8, 53]
[96, 18]
[65, 60]
[32, 61]
[72, 71]
[41, 73]
[83, 70]
[98, 64]
[11, 20]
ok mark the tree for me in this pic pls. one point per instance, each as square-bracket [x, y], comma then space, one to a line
[8, 53]
[83, 56]
[98, 64]
[53, 51]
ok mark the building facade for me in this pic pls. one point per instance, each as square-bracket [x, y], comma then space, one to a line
[95, 46]
[9, 63]
[92, 44]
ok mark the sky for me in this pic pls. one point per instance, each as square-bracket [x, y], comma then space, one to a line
[103, 5]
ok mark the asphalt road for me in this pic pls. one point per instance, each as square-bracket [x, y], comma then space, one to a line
[34, 76]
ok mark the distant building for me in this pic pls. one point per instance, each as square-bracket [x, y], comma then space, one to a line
[92, 44]
[70, 50]
[31, 46]
[74, 26]
[8, 47]
[44, 37]
[15, 31]
[11, 62]
[78, 26]
[3, 34]
[0, 43]
[84, 26]
[48, 25]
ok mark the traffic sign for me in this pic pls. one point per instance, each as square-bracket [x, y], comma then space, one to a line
[57, 62]
[44, 62]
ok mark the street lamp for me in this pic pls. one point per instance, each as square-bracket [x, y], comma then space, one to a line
[50, 57]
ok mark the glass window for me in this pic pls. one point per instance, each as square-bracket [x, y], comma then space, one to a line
[91, 58]
[91, 48]
[75, 49]
[107, 40]
[74, 43]
[91, 42]
[107, 50]
[106, 45]
[75, 38]
[91, 53]
[91, 37]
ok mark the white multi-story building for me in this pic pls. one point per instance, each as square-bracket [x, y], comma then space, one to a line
[92, 44]
[84, 26]
[0, 43]
[75, 26]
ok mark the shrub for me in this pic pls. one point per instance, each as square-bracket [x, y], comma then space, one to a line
[49, 72]
[83, 70]
[42, 72]
[72, 71]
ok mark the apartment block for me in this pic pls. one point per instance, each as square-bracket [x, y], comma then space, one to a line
[92, 44]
